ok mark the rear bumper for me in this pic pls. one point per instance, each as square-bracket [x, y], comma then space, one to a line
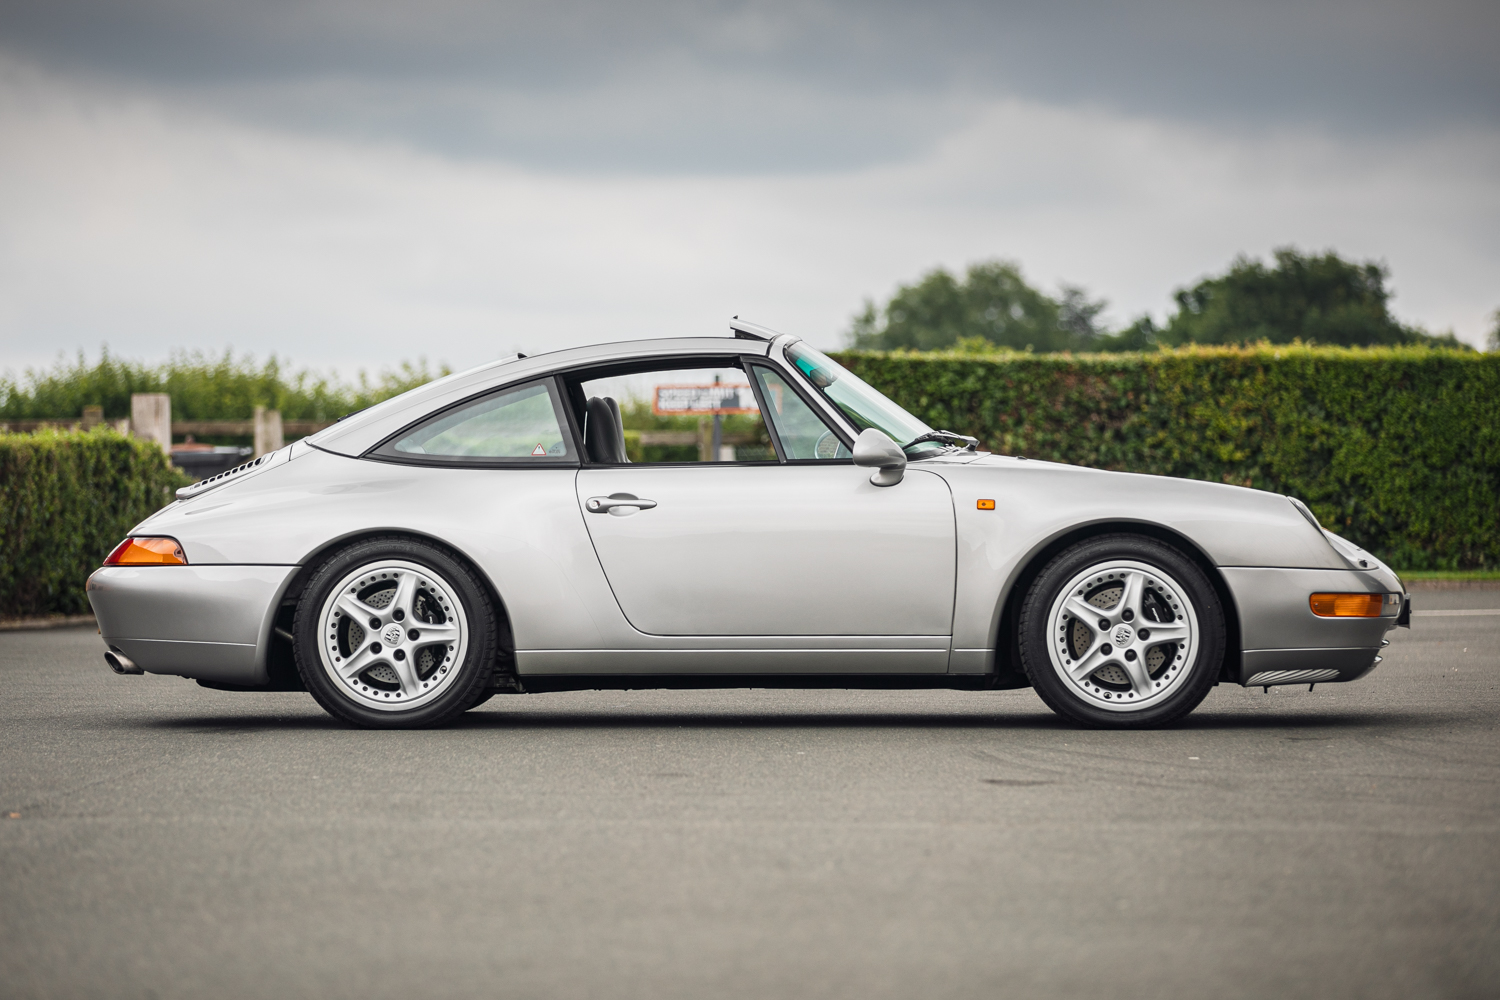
[207, 622]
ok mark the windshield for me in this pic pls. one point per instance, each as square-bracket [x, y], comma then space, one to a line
[856, 400]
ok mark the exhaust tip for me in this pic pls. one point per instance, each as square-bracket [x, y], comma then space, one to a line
[121, 664]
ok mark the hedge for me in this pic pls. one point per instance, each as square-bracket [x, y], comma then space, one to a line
[66, 500]
[1397, 449]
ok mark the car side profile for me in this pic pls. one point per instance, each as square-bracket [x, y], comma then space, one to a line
[491, 532]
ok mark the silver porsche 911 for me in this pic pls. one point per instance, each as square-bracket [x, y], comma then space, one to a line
[488, 533]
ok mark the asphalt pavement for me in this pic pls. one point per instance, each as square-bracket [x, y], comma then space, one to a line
[162, 840]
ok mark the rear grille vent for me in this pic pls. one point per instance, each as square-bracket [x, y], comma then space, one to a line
[212, 481]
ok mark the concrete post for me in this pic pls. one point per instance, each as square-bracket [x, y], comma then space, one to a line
[705, 440]
[267, 431]
[151, 418]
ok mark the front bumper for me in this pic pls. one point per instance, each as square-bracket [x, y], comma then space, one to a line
[1266, 667]
[207, 622]
[1283, 642]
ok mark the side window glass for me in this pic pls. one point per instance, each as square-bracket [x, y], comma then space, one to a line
[803, 434]
[673, 414]
[522, 424]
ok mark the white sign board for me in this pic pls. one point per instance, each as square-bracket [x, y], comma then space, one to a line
[718, 398]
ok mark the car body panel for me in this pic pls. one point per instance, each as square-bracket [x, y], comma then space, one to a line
[884, 659]
[212, 622]
[766, 549]
[743, 569]
[1275, 612]
[1038, 503]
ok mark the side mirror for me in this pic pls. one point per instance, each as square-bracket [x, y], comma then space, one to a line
[874, 449]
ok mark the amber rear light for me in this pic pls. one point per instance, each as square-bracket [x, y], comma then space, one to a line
[1347, 605]
[147, 552]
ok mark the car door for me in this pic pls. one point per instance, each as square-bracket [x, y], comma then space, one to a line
[799, 544]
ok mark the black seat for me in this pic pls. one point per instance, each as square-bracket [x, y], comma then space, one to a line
[603, 431]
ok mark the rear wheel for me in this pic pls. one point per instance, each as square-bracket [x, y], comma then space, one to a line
[1122, 631]
[395, 633]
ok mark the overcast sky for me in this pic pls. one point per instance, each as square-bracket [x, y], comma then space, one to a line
[354, 184]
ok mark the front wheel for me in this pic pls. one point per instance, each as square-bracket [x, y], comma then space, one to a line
[395, 633]
[1122, 631]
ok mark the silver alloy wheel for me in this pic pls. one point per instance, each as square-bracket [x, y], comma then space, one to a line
[1122, 635]
[392, 635]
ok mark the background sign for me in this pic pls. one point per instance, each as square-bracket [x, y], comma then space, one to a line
[715, 399]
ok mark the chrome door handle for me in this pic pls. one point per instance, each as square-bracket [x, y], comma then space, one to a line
[603, 505]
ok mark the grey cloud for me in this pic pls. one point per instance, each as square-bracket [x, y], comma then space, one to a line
[663, 86]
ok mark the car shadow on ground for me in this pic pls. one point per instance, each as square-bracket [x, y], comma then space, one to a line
[885, 719]
[521, 719]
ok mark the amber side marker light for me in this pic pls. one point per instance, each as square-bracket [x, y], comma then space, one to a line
[986, 505]
[1346, 605]
[147, 552]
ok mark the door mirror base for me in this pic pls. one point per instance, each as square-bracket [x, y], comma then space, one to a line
[875, 449]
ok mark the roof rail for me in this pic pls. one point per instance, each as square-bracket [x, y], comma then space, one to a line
[745, 330]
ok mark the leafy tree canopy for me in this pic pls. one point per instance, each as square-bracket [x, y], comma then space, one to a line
[1315, 298]
[992, 303]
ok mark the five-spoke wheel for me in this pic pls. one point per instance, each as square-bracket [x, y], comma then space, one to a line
[395, 632]
[1122, 631]
[392, 632]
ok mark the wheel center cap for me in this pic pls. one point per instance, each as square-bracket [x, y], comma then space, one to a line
[1123, 634]
[393, 635]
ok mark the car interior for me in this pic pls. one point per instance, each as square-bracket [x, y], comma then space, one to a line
[604, 431]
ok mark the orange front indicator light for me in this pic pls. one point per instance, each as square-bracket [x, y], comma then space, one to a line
[986, 505]
[1346, 605]
[158, 551]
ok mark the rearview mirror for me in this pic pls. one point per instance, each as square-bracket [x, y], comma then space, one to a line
[874, 449]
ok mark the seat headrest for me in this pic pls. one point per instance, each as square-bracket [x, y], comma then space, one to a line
[603, 435]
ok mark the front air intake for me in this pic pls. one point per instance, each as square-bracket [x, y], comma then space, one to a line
[1266, 678]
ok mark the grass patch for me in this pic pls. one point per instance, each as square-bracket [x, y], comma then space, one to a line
[1444, 574]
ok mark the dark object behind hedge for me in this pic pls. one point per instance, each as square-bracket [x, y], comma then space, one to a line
[66, 500]
[1397, 449]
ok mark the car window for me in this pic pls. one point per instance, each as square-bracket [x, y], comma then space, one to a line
[802, 433]
[676, 414]
[859, 401]
[522, 424]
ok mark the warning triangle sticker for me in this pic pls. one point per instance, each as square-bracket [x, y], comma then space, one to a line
[539, 450]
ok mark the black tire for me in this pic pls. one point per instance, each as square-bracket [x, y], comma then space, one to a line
[464, 595]
[1180, 602]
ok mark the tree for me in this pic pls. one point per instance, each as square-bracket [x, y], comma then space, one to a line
[1138, 336]
[1315, 298]
[1078, 315]
[992, 301]
[1493, 343]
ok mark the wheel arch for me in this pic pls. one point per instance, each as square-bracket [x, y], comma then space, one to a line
[279, 658]
[1008, 669]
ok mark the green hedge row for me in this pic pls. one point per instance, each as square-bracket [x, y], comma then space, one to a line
[66, 500]
[1397, 449]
